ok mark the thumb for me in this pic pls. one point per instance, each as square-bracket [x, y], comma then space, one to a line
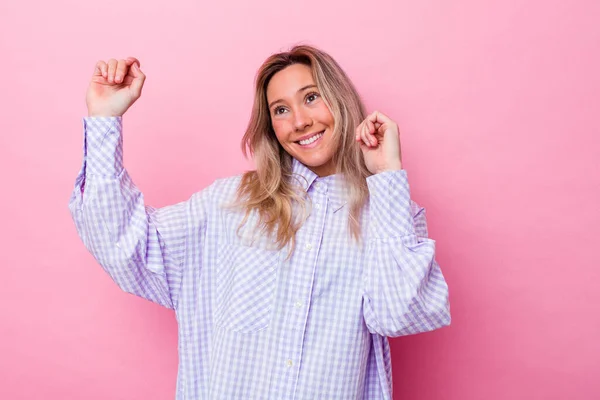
[138, 80]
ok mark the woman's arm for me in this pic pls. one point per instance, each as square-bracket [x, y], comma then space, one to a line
[404, 289]
[140, 247]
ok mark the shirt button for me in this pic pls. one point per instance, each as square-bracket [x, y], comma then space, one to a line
[308, 246]
[318, 206]
[298, 304]
[289, 363]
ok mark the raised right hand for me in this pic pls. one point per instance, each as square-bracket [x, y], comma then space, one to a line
[115, 86]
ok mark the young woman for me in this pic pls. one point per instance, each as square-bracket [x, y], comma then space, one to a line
[286, 281]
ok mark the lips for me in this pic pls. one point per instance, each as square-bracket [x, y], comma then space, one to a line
[311, 139]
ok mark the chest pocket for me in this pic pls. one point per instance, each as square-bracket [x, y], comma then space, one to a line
[246, 282]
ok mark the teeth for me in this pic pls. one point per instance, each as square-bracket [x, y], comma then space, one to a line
[311, 139]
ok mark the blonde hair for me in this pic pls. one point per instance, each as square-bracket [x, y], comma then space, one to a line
[271, 190]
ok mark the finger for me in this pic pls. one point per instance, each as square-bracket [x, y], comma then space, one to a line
[371, 127]
[112, 68]
[365, 136]
[357, 132]
[132, 60]
[361, 136]
[122, 69]
[138, 80]
[372, 117]
[380, 117]
[371, 134]
[372, 120]
[100, 69]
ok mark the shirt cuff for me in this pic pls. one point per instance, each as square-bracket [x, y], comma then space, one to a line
[390, 205]
[103, 145]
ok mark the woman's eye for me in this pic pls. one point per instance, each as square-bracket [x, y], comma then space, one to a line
[279, 110]
[312, 97]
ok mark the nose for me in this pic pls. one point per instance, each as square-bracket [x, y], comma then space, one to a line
[301, 120]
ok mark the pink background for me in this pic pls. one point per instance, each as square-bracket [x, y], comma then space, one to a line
[498, 106]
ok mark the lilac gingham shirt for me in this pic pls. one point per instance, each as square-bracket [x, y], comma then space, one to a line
[254, 324]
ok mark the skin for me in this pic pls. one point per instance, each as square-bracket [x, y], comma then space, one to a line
[298, 111]
[379, 140]
[114, 87]
[296, 106]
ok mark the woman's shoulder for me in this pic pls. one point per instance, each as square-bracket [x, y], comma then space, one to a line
[221, 189]
[222, 194]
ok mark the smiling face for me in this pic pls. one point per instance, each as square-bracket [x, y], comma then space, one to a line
[301, 119]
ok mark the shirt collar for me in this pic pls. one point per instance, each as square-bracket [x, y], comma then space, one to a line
[333, 186]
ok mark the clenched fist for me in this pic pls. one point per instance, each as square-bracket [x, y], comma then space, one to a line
[115, 86]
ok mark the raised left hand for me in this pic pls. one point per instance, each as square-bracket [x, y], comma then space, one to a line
[379, 140]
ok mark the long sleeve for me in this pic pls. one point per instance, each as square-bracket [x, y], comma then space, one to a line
[404, 289]
[140, 247]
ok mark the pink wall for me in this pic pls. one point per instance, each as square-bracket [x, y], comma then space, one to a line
[498, 106]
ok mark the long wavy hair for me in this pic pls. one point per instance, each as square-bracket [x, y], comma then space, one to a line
[271, 191]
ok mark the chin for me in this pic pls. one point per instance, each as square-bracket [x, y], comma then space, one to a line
[320, 167]
[310, 162]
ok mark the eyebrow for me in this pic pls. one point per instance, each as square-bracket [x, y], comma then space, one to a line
[299, 90]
